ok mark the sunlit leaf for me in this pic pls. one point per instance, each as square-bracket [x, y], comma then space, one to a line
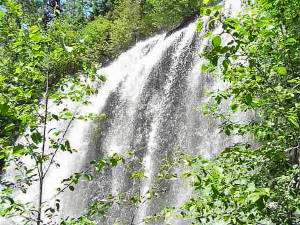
[216, 41]
[200, 25]
[282, 70]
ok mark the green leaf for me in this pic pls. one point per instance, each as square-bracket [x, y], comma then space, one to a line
[36, 47]
[34, 29]
[67, 146]
[102, 78]
[9, 127]
[217, 8]
[216, 172]
[216, 41]
[204, 68]
[214, 61]
[208, 35]
[205, 11]
[234, 107]
[4, 109]
[88, 177]
[101, 213]
[36, 37]
[71, 188]
[200, 25]
[294, 121]
[218, 99]
[227, 132]
[260, 24]
[282, 70]
[36, 138]
[248, 99]
[291, 41]
[2, 13]
[57, 206]
[54, 116]
[205, 2]
[254, 197]
[17, 149]
[215, 189]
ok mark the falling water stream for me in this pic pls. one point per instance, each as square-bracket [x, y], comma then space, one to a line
[150, 97]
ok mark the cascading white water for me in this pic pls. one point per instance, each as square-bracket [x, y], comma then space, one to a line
[150, 97]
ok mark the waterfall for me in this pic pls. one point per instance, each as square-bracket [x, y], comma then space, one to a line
[150, 97]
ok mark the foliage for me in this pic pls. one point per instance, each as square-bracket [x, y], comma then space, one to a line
[259, 56]
[26, 56]
[166, 13]
[39, 67]
[96, 35]
[118, 24]
[126, 24]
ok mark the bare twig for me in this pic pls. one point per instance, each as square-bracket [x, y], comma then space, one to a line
[56, 150]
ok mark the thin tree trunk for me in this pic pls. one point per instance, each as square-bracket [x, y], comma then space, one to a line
[41, 172]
